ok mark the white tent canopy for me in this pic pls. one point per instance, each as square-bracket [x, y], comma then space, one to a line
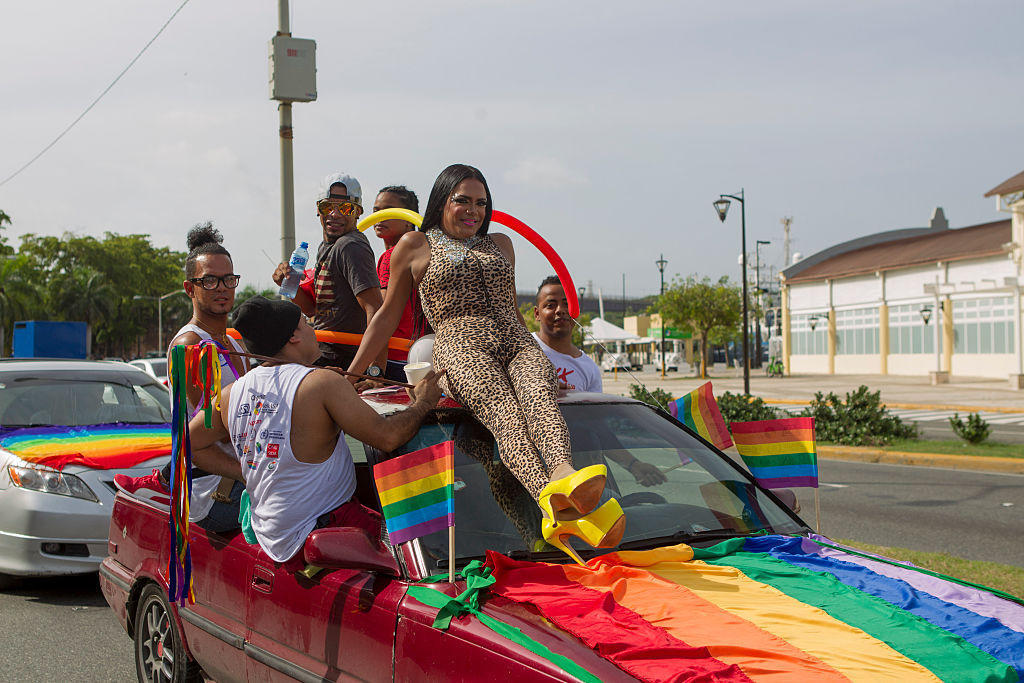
[604, 332]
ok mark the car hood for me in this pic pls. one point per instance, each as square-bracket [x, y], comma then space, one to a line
[525, 618]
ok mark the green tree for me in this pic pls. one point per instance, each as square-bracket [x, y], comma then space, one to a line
[19, 295]
[703, 307]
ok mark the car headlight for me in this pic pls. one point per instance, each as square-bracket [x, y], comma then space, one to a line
[50, 481]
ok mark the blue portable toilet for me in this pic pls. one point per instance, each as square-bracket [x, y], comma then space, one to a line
[50, 339]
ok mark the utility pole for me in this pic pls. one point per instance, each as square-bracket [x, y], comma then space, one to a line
[284, 130]
[786, 221]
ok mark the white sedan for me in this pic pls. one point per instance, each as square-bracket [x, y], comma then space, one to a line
[54, 519]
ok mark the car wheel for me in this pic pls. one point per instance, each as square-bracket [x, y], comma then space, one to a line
[159, 654]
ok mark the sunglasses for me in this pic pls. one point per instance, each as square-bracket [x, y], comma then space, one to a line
[344, 207]
[211, 281]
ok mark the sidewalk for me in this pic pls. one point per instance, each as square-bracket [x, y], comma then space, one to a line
[968, 394]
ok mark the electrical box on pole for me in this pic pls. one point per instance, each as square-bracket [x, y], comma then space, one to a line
[292, 69]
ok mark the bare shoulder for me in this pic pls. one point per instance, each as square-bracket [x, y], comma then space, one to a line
[325, 379]
[501, 239]
[412, 241]
[187, 338]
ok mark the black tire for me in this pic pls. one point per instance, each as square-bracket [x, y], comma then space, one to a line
[159, 654]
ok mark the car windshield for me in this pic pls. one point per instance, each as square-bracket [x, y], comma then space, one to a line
[672, 487]
[84, 398]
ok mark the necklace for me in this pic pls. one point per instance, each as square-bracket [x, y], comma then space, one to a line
[455, 250]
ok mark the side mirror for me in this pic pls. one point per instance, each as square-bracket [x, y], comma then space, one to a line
[788, 498]
[348, 548]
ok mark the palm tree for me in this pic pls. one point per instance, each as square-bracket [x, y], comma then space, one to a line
[19, 298]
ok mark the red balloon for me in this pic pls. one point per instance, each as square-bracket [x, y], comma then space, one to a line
[554, 259]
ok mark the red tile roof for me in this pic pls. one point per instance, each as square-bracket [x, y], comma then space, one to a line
[1014, 184]
[976, 241]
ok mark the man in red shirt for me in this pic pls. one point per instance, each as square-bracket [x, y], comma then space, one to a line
[396, 197]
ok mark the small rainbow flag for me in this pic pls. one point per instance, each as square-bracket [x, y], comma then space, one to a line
[416, 492]
[699, 411]
[779, 453]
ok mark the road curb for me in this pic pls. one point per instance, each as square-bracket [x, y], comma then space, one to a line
[915, 406]
[957, 462]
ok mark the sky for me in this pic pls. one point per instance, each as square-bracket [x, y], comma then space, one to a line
[610, 128]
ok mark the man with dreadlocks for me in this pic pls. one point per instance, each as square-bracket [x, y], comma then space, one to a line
[210, 282]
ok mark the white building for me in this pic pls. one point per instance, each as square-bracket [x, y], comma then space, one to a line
[914, 301]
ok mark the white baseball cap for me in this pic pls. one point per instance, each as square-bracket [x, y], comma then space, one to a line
[355, 192]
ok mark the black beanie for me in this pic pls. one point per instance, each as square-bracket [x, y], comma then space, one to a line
[265, 325]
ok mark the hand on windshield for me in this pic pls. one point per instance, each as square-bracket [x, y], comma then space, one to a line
[364, 384]
[647, 474]
[427, 389]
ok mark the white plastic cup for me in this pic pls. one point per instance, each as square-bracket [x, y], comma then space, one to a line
[414, 372]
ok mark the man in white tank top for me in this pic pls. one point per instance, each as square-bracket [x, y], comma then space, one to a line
[287, 422]
[210, 282]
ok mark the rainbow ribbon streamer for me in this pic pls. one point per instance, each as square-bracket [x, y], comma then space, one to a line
[699, 411]
[196, 365]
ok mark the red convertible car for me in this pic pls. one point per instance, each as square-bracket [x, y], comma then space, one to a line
[354, 620]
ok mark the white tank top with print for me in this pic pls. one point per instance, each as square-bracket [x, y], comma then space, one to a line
[286, 495]
[200, 502]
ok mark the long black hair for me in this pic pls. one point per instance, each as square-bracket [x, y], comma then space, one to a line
[445, 184]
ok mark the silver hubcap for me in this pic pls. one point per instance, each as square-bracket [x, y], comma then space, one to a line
[156, 649]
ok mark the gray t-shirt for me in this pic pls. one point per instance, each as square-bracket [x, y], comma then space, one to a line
[344, 268]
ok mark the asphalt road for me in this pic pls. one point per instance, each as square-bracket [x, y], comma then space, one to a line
[975, 515]
[60, 629]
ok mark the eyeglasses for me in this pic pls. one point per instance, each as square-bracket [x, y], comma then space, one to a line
[211, 281]
[344, 207]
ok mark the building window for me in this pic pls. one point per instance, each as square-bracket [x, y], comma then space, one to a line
[806, 342]
[857, 331]
[983, 325]
[907, 332]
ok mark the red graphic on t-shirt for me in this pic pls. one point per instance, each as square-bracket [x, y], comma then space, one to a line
[563, 376]
[273, 449]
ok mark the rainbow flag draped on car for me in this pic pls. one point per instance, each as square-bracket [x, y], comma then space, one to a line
[699, 411]
[779, 453]
[774, 608]
[416, 492]
[101, 447]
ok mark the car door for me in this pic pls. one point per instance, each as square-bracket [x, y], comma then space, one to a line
[215, 626]
[339, 625]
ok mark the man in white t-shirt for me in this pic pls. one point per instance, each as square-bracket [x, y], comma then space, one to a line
[573, 367]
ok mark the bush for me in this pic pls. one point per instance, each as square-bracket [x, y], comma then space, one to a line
[740, 408]
[860, 420]
[975, 430]
[659, 398]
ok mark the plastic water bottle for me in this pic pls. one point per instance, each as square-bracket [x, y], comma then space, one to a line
[296, 267]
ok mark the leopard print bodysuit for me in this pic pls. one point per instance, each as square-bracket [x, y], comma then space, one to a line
[494, 366]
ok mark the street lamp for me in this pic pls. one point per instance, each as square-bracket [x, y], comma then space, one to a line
[159, 313]
[722, 207]
[926, 314]
[661, 263]
[758, 293]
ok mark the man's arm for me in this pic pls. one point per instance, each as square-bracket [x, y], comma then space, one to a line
[302, 298]
[206, 455]
[370, 300]
[362, 422]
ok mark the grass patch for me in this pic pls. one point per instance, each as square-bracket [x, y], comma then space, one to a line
[1004, 577]
[957, 447]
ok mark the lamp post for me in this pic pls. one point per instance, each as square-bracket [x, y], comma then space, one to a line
[722, 207]
[159, 313]
[661, 263]
[758, 292]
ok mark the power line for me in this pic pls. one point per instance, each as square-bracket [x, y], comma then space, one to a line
[95, 101]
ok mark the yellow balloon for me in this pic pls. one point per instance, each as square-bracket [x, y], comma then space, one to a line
[388, 214]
